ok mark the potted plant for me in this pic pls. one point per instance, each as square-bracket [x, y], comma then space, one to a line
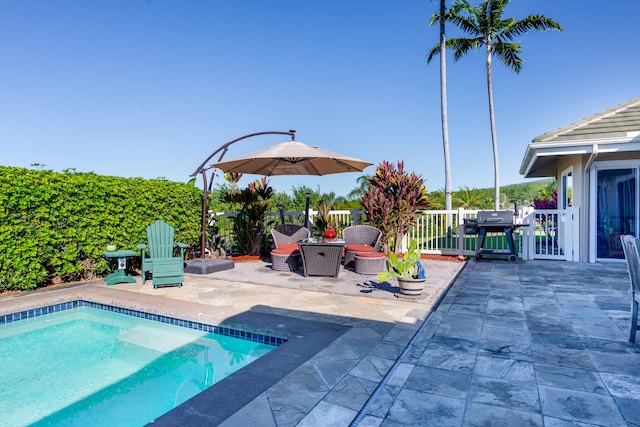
[325, 225]
[407, 269]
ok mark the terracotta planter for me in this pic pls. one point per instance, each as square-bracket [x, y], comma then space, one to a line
[412, 287]
[242, 258]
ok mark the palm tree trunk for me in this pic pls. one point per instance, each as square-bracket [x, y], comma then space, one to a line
[494, 137]
[443, 109]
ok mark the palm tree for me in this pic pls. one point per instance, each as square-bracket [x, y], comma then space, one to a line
[485, 25]
[331, 199]
[363, 184]
[441, 18]
[472, 198]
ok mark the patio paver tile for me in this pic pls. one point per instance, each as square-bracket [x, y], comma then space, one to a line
[481, 415]
[572, 405]
[570, 378]
[508, 369]
[439, 381]
[414, 408]
[519, 395]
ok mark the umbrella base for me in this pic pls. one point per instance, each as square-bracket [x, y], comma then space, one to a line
[207, 266]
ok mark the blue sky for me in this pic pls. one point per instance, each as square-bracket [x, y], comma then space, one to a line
[151, 88]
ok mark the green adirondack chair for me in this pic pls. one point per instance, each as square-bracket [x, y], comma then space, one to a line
[165, 267]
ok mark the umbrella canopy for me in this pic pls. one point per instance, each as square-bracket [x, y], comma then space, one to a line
[292, 158]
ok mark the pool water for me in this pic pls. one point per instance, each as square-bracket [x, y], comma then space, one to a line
[87, 366]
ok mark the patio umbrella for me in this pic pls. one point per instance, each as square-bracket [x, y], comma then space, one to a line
[292, 158]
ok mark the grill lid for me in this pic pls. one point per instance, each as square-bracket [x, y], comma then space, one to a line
[495, 218]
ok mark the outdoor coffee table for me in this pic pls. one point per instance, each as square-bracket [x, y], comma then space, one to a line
[121, 274]
[321, 257]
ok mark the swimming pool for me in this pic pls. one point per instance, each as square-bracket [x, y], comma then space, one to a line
[82, 363]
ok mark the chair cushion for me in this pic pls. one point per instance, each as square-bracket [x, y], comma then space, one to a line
[370, 254]
[288, 246]
[286, 251]
[359, 248]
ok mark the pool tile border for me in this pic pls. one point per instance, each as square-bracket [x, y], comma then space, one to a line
[69, 305]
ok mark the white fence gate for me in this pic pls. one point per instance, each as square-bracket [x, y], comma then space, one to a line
[550, 234]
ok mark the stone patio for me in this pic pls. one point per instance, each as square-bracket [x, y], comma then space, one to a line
[531, 343]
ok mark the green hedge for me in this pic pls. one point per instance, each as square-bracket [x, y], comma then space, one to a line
[54, 226]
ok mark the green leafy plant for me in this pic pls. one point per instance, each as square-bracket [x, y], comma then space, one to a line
[248, 226]
[323, 220]
[405, 267]
[392, 199]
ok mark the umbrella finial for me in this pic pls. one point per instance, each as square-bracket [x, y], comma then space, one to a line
[292, 132]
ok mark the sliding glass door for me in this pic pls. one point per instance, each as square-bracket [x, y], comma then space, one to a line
[616, 207]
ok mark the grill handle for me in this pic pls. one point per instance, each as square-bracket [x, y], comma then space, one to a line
[493, 220]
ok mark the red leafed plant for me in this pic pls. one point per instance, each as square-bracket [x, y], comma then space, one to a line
[550, 203]
[392, 200]
[248, 225]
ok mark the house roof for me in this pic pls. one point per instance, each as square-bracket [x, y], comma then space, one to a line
[611, 131]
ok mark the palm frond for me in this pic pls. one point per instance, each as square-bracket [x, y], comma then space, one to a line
[460, 6]
[532, 22]
[434, 18]
[433, 52]
[509, 54]
[467, 24]
[461, 46]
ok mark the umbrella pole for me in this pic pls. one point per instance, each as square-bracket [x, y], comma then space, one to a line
[307, 223]
[203, 169]
[205, 196]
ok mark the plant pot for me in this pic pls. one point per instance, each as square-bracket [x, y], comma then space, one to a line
[411, 287]
[243, 258]
[330, 234]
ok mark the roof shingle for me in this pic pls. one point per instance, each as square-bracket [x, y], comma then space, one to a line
[615, 122]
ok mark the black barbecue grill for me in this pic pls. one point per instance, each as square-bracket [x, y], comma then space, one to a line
[493, 222]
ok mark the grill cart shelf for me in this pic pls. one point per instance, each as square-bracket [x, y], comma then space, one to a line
[495, 222]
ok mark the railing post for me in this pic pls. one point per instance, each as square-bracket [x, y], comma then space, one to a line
[281, 210]
[461, 246]
[531, 234]
[355, 216]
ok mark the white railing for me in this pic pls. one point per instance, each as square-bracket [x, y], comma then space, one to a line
[438, 232]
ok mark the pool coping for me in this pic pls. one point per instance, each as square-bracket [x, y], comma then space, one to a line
[215, 404]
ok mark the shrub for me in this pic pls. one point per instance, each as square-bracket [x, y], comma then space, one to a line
[54, 226]
[549, 203]
[248, 225]
[392, 200]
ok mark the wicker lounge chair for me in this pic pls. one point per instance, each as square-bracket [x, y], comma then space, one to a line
[286, 256]
[360, 238]
[630, 247]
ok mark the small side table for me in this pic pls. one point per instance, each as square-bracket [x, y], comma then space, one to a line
[121, 274]
[321, 257]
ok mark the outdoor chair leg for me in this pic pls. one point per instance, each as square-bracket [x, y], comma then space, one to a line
[634, 320]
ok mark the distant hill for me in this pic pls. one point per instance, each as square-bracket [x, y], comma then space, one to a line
[482, 198]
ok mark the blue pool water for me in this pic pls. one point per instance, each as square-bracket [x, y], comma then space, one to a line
[87, 366]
